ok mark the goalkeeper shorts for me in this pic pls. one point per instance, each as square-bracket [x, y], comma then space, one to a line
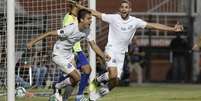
[81, 60]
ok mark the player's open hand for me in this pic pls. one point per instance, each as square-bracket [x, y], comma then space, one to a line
[73, 2]
[107, 57]
[77, 4]
[178, 27]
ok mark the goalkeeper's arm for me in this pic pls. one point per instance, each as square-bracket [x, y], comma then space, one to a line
[93, 12]
[42, 36]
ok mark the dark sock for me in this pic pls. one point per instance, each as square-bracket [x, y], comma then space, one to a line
[83, 83]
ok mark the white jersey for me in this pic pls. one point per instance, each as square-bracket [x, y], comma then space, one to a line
[68, 36]
[121, 31]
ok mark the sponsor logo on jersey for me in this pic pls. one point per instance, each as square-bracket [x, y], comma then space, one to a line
[114, 60]
[57, 46]
[61, 31]
[130, 27]
[123, 28]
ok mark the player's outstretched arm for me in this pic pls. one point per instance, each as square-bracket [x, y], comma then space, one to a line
[42, 36]
[98, 51]
[176, 28]
[93, 12]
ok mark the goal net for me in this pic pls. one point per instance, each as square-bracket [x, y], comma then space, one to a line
[34, 67]
[3, 60]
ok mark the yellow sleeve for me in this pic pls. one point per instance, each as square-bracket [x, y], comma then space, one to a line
[72, 19]
[69, 19]
[77, 47]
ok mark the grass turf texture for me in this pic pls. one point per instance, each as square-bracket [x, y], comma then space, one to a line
[146, 92]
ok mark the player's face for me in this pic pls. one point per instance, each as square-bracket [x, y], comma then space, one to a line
[124, 10]
[87, 21]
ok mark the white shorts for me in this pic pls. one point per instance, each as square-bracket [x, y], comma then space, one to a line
[117, 60]
[64, 63]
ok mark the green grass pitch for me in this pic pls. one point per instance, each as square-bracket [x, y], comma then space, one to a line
[145, 92]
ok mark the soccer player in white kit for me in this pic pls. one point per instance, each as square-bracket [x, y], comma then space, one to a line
[122, 28]
[68, 36]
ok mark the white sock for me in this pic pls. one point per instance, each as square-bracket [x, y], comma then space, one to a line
[104, 91]
[94, 96]
[97, 95]
[63, 83]
[57, 90]
[103, 77]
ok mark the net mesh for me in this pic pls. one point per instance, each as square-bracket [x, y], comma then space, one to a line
[34, 67]
[3, 48]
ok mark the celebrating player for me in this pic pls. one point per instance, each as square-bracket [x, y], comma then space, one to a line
[81, 60]
[62, 52]
[122, 28]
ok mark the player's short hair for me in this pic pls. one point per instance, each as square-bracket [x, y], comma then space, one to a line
[82, 13]
[125, 1]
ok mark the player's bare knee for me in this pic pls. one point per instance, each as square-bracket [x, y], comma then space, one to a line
[113, 75]
[75, 76]
[86, 69]
[76, 79]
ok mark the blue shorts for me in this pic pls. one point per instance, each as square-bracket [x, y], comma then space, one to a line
[81, 60]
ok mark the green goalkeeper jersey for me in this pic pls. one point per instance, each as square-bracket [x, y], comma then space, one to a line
[68, 18]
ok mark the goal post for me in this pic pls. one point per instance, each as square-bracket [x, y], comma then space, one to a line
[92, 55]
[11, 50]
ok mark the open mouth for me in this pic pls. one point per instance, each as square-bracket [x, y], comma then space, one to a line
[124, 12]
